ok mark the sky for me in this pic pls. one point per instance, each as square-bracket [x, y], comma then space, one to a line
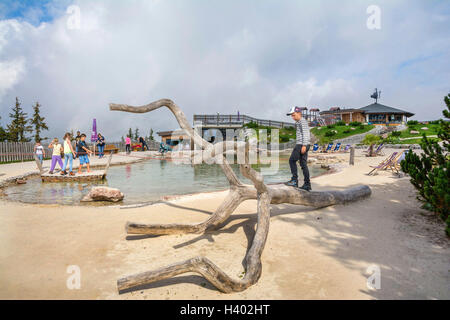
[258, 57]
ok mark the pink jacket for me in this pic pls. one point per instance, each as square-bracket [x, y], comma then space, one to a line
[127, 140]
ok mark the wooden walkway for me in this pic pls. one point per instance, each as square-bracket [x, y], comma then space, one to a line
[94, 175]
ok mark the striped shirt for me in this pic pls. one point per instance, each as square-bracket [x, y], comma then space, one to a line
[302, 129]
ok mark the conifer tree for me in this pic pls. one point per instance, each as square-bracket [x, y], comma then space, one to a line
[18, 128]
[430, 172]
[136, 134]
[38, 123]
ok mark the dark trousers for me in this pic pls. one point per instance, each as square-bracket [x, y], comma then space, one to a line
[128, 148]
[298, 156]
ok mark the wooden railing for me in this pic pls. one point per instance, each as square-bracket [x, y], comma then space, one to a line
[218, 120]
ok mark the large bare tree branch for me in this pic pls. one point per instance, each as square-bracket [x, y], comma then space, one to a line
[239, 192]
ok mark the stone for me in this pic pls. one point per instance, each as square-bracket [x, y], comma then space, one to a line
[352, 128]
[414, 132]
[424, 128]
[103, 194]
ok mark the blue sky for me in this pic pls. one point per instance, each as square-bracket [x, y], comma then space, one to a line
[256, 56]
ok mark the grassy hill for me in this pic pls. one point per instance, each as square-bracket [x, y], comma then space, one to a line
[339, 130]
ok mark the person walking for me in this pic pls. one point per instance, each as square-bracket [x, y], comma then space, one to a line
[56, 155]
[83, 154]
[143, 144]
[39, 151]
[100, 145]
[128, 145]
[300, 152]
[69, 154]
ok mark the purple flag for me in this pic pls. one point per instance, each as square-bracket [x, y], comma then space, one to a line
[94, 131]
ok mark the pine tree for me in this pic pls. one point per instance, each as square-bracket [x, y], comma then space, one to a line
[130, 133]
[430, 173]
[3, 134]
[18, 128]
[150, 137]
[38, 123]
[136, 134]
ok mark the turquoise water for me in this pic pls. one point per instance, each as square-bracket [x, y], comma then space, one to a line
[144, 182]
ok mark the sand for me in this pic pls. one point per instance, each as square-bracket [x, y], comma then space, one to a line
[310, 253]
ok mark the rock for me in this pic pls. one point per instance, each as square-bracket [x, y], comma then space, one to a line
[424, 128]
[414, 132]
[21, 181]
[352, 128]
[103, 194]
[384, 135]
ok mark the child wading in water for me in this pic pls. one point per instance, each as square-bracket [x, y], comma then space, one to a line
[300, 152]
[83, 152]
[56, 155]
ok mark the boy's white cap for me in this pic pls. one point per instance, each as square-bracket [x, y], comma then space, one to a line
[292, 110]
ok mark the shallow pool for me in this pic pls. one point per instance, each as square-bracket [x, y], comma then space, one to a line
[145, 181]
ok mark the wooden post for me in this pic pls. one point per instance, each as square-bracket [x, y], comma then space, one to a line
[352, 155]
[107, 165]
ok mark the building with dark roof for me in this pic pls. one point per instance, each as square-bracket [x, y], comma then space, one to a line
[374, 113]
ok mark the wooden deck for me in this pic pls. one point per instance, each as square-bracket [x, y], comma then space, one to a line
[94, 175]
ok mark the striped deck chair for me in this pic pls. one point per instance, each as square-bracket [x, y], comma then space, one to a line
[315, 148]
[347, 148]
[383, 164]
[336, 149]
[395, 163]
[379, 151]
[329, 147]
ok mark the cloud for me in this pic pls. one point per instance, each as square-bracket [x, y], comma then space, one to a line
[258, 57]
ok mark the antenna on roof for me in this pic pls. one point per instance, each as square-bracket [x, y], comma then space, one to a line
[376, 95]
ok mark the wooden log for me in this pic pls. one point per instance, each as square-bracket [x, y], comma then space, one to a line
[352, 156]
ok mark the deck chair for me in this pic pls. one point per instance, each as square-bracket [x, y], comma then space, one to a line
[368, 149]
[383, 164]
[336, 149]
[395, 163]
[379, 151]
[164, 148]
[347, 148]
[315, 147]
[329, 147]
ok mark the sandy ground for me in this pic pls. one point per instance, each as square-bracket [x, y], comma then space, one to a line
[310, 254]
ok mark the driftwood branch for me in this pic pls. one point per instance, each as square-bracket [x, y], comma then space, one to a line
[239, 192]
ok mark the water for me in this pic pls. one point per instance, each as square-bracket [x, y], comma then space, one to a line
[143, 182]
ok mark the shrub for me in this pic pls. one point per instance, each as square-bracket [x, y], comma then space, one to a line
[346, 131]
[412, 122]
[331, 126]
[330, 133]
[430, 173]
[340, 123]
[396, 133]
[355, 123]
[371, 139]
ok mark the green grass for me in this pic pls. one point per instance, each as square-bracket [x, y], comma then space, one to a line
[432, 130]
[342, 132]
[285, 134]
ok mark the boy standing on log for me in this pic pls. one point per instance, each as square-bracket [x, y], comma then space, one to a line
[300, 152]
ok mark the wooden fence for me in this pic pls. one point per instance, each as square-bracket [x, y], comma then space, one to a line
[24, 151]
[20, 151]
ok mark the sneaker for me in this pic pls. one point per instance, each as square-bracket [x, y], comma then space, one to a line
[72, 174]
[306, 187]
[292, 183]
[50, 172]
[63, 173]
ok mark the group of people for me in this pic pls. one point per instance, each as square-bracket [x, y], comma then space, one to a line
[67, 152]
[141, 140]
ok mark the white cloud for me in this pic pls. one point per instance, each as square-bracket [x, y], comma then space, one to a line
[221, 56]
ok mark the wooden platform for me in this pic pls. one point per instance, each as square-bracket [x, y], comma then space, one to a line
[91, 176]
[94, 175]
